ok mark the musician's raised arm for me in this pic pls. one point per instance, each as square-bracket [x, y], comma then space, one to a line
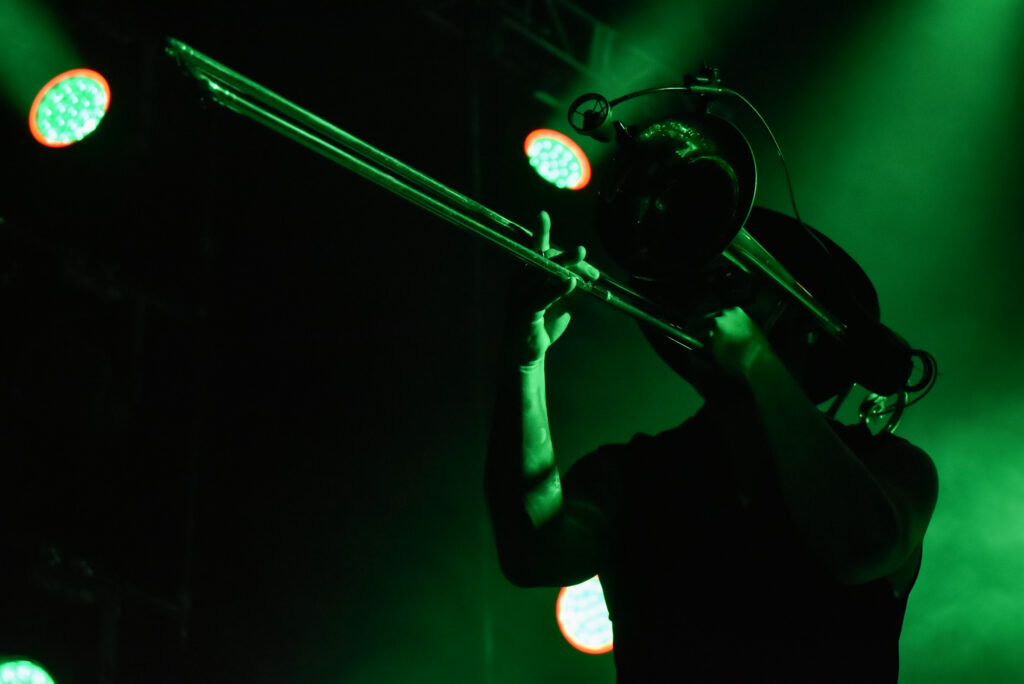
[541, 538]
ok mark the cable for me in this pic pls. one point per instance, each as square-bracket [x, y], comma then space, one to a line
[778, 150]
[930, 375]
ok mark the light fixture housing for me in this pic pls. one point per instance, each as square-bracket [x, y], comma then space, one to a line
[582, 616]
[557, 159]
[17, 670]
[69, 107]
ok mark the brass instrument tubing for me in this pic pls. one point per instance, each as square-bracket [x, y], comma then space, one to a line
[745, 250]
[218, 81]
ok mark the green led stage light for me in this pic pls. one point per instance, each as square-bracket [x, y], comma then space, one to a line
[583, 617]
[21, 671]
[557, 159]
[69, 107]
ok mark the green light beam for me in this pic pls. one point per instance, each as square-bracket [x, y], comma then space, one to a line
[33, 49]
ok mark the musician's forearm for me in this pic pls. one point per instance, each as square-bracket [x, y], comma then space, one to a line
[521, 469]
[836, 503]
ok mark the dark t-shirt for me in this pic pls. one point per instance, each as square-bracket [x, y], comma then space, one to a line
[706, 585]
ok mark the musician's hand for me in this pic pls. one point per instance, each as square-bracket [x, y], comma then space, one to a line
[735, 342]
[539, 292]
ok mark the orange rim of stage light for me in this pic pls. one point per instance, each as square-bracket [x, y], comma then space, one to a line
[577, 151]
[590, 650]
[71, 73]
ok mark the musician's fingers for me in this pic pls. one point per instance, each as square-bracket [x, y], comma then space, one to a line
[542, 236]
[576, 262]
[575, 257]
[589, 271]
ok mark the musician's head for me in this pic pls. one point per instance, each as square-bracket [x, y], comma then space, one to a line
[674, 194]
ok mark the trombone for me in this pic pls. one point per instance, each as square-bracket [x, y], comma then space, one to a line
[244, 96]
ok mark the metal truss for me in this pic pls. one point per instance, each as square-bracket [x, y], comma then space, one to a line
[550, 42]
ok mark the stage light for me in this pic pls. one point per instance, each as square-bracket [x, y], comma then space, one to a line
[21, 671]
[69, 107]
[557, 159]
[583, 617]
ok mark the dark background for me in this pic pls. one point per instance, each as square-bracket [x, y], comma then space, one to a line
[246, 393]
